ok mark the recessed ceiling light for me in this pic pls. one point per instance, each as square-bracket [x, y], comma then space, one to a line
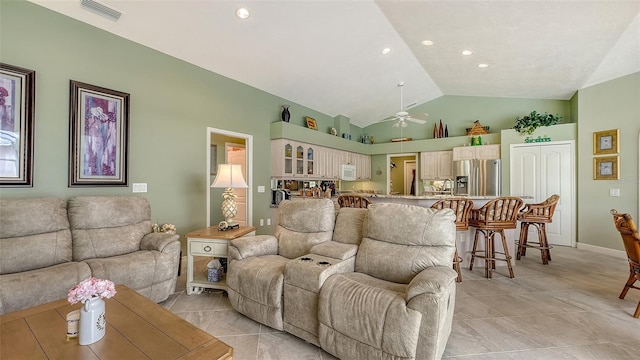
[483, 65]
[467, 52]
[385, 51]
[242, 13]
[427, 42]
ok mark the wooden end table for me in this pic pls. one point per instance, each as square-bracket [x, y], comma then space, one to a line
[137, 328]
[209, 242]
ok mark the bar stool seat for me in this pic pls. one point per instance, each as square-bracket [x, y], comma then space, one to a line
[493, 218]
[462, 208]
[537, 215]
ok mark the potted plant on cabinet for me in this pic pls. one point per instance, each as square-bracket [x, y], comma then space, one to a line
[529, 123]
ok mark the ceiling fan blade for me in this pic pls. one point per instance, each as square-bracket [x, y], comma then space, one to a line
[418, 121]
[388, 119]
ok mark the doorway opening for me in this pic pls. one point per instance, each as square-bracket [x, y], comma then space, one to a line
[237, 150]
[402, 175]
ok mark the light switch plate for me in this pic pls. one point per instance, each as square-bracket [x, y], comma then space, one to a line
[614, 192]
[139, 187]
[261, 188]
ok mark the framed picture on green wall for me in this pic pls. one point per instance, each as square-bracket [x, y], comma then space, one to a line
[17, 104]
[98, 147]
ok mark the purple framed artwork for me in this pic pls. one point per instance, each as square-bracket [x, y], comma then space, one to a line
[99, 136]
[17, 104]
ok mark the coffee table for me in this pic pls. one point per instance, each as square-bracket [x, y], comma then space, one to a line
[137, 328]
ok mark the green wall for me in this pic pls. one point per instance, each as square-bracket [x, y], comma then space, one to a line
[611, 105]
[172, 105]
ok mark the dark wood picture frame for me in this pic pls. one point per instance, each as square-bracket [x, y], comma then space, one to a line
[17, 117]
[99, 136]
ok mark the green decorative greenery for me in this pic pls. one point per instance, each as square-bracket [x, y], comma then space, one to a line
[527, 124]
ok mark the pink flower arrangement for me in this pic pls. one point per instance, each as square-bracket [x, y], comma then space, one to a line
[91, 288]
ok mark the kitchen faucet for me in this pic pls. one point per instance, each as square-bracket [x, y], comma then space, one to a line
[450, 182]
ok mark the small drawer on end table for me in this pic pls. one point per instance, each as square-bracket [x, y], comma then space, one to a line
[209, 248]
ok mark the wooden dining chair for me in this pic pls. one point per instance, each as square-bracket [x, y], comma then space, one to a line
[493, 218]
[462, 208]
[629, 232]
[537, 215]
[353, 200]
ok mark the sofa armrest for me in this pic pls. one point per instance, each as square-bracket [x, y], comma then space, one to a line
[434, 280]
[157, 241]
[336, 250]
[248, 246]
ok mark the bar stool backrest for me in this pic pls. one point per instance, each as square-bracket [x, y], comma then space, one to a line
[499, 213]
[541, 212]
[461, 207]
[354, 201]
[629, 232]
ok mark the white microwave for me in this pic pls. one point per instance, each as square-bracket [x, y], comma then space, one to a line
[347, 172]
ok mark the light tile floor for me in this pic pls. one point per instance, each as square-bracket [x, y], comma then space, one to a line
[568, 309]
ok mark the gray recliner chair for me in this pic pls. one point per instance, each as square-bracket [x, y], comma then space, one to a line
[255, 276]
[399, 302]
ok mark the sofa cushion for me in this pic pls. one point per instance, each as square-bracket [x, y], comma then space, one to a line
[302, 224]
[349, 224]
[34, 233]
[361, 320]
[426, 238]
[104, 226]
[30, 288]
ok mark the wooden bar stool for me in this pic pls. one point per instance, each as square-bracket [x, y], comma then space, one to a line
[354, 201]
[537, 215]
[493, 218]
[629, 232]
[461, 207]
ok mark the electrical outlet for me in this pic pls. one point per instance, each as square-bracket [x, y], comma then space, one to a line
[614, 192]
[268, 221]
[462, 237]
[261, 188]
[261, 222]
[139, 187]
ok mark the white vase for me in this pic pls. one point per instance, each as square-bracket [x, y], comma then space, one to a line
[93, 322]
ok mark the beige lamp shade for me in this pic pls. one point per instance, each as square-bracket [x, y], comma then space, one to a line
[229, 176]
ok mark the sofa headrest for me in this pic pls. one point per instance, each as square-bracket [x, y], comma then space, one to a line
[307, 215]
[349, 225]
[410, 225]
[23, 217]
[95, 212]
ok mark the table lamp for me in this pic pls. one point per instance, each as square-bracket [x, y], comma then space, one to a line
[229, 176]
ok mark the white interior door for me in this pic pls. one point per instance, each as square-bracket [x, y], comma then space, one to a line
[541, 171]
[237, 154]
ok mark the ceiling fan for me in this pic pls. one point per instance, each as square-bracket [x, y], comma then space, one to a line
[402, 116]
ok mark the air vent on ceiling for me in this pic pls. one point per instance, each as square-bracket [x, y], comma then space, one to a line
[101, 9]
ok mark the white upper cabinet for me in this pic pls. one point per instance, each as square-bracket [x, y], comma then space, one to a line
[483, 152]
[292, 159]
[436, 165]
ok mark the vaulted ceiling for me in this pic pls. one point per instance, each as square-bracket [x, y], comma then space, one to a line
[326, 55]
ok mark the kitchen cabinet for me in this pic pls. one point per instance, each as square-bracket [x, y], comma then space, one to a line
[293, 159]
[482, 152]
[436, 165]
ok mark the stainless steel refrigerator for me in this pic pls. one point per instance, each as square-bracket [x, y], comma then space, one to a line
[478, 177]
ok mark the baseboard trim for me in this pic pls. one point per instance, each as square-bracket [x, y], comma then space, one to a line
[602, 250]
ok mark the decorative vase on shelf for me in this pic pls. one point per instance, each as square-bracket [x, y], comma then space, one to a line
[446, 131]
[435, 131]
[441, 131]
[285, 113]
[93, 322]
